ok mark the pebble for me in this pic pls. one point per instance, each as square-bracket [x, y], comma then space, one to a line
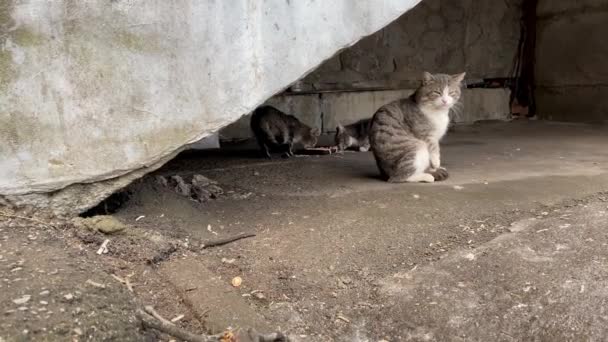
[22, 300]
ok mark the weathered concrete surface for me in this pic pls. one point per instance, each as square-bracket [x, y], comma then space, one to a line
[328, 109]
[572, 49]
[476, 36]
[331, 236]
[204, 291]
[91, 91]
[546, 281]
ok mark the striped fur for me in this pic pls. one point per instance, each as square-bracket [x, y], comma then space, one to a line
[405, 134]
[274, 129]
[353, 135]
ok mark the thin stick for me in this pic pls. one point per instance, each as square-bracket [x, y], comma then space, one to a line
[150, 310]
[155, 321]
[31, 219]
[220, 242]
[171, 329]
[125, 281]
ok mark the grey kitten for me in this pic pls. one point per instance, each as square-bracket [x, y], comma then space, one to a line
[353, 135]
[405, 134]
[273, 128]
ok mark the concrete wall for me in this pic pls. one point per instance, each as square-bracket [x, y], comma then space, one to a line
[476, 36]
[95, 93]
[572, 60]
[327, 110]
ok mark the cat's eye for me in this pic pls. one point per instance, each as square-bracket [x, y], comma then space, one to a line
[437, 93]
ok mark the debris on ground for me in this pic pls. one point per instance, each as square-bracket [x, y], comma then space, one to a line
[102, 223]
[236, 281]
[196, 187]
[223, 241]
[152, 320]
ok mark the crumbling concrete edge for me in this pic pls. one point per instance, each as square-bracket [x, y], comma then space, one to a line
[74, 198]
[77, 198]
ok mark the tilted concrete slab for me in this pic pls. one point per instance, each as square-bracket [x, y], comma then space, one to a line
[105, 91]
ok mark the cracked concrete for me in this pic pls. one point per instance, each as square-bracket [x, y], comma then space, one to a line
[342, 256]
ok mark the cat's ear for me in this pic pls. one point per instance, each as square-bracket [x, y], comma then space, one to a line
[458, 77]
[315, 132]
[426, 77]
[340, 128]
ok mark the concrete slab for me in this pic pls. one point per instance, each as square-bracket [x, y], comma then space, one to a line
[546, 281]
[331, 237]
[218, 306]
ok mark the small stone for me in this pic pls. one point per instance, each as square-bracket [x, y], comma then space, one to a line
[22, 308]
[78, 331]
[346, 280]
[228, 261]
[69, 297]
[255, 173]
[259, 295]
[43, 302]
[181, 187]
[44, 293]
[200, 180]
[236, 281]
[24, 299]
[162, 181]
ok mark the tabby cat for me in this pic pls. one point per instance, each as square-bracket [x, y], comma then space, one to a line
[353, 135]
[275, 129]
[405, 134]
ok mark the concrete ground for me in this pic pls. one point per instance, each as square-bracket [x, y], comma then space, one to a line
[511, 247]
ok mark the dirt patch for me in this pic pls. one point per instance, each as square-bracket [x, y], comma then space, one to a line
[47, 292]
[58, 284]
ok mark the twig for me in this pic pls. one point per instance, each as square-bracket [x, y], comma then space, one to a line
[177, 319]
[150, 310]
[220, 242]
[125, 281]
[31, 219]
[342, 318]
[92, 283]
[170, 329]
[151, 319]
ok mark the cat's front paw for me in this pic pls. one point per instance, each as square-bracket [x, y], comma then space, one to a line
[363, 148]
[440, 174]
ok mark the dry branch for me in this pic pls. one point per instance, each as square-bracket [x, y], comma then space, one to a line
[220, 242]
[151, 319]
